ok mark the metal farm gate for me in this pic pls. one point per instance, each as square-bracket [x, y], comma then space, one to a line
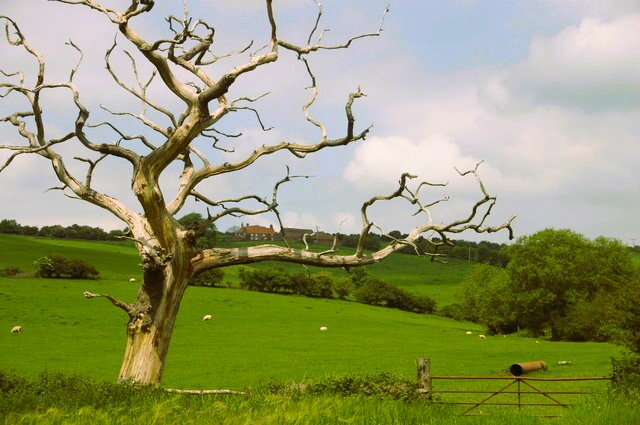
[534, 396]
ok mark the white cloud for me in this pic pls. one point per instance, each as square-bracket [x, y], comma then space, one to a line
[608, 9]
[593, 66]
[301, 220]
[380, 161]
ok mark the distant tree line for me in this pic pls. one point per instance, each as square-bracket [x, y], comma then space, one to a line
[479, 252]
[74, 231]
[360, 286]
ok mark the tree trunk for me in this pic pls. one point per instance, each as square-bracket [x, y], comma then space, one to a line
[151, 324]
[145, 356]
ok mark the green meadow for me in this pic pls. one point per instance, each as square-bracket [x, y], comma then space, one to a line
[257, 339]
[254, 337]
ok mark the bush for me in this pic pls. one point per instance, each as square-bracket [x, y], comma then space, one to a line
[319, 285]
[208, 278]
[453, 311]
[376, 292]
[274, 280]
[56, 266]
[343, 288]
[384, 385]
[10, 271]
[369, 290]
[626, 373]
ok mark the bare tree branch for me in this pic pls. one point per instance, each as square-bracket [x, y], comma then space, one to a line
[303, 50]
[268, 205]
[128, 308]
[37, 139]
[359, 258]
[143, 86]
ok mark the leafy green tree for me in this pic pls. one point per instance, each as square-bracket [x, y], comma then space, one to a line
[627, 318]
[487, 298]
[29, 230]
[202, 227]
[552, 271]
[560, 281]
[590, 320]
[371, 242]
[55, 231]
[9, 227]
[547, 272]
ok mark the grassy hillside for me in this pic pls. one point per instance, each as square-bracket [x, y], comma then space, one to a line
[120, 261]
[253, 337]
[113, 260]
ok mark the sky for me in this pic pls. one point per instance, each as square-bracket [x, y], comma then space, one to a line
[545, 93]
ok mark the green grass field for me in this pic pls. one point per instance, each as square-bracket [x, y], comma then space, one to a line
[254, 337]
[257, 339]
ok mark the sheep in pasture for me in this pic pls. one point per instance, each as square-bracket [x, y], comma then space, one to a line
[324, 328]
[206, 317]
[16, 329]
[469, 333]
[482, 337]
[133, 279]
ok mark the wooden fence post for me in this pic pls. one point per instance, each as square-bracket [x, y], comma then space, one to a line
[424, 376]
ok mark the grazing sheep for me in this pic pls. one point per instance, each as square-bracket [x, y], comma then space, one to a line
[324, 328]
[16, 329]
[206, 317]
[133, 279]
[469, 333]
[482, 337]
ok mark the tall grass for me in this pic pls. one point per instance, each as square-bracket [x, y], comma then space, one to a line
[58, 399]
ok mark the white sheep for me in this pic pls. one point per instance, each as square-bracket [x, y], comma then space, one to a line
[16, 329]
[482, 336]
[133, 279]
[324, 328]
[469, 333]
[206, 317]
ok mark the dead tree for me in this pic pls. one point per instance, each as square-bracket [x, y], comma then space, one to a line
[184, 63]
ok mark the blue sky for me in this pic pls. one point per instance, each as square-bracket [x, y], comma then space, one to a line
[545, 92]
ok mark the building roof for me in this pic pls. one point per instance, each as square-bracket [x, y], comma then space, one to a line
[256, 230]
